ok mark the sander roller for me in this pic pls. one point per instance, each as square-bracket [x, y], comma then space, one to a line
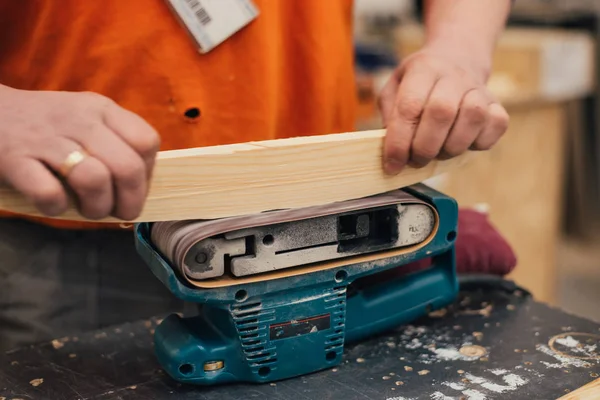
[279, 294]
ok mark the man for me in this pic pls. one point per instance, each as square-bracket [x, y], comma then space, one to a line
[93, 89]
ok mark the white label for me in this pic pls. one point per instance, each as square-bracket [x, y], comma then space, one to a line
[211, 22]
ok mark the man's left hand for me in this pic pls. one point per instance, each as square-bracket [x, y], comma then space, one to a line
[436, 106]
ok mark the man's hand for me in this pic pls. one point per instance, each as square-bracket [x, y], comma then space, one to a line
[41, 129]
[436, 105]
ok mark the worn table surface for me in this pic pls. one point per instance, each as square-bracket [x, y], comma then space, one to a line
[530, 351]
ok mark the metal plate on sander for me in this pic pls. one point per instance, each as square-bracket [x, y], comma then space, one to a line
[277, 240]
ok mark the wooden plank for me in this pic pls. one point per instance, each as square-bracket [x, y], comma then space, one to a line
[222, 181]
[591, 391]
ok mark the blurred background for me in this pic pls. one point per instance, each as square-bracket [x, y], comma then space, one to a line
[541, 183]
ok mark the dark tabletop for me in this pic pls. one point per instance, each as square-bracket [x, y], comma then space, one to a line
[493, 344]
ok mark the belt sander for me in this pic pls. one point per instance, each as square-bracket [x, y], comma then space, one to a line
[278, 294]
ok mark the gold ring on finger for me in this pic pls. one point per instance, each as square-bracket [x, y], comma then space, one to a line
[74, 158]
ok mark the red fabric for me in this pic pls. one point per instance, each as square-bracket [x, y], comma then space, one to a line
[480, 248]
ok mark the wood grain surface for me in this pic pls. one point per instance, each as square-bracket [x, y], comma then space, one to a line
[247, 178]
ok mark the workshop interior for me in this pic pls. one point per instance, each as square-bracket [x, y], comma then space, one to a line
[321, 279]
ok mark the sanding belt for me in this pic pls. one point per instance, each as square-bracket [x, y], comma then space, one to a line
[480, 248]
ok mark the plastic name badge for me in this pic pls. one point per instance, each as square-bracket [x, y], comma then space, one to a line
[211, 22]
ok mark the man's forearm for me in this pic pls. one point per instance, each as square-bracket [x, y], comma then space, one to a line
[468, 28]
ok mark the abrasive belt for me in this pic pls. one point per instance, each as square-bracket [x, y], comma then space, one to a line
[174, 239]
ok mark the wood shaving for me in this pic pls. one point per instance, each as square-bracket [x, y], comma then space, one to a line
[36, 382]
[57, 344]
[438, 313]
[407, 368]
[486, 311]
[423, 372]
[398, 383]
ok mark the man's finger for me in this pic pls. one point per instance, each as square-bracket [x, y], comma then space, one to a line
[387, 99]
[411, 98]
[126, 167]
[496, 125]
[470, 122]
[136, 132]
[33, 179]
[439, 116]
[89, 180]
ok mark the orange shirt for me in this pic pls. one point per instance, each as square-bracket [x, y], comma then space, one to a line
[289, 73]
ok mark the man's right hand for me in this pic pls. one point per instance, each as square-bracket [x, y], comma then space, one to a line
[41, 129]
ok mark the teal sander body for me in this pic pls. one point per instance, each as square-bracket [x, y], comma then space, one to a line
[284, 327]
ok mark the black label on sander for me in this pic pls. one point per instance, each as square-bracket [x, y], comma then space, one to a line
[299, 327]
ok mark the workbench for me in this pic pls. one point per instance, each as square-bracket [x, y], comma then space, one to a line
[495, 342]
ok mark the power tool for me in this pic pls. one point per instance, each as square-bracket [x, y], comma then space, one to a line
[279, 294]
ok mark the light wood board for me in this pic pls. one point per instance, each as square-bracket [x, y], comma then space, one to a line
[247, 178]
[591, 391]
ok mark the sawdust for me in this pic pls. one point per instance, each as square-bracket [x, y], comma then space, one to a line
[57, 344]
[423, 372]
[472, 351]
[510, 307]
[478, 335]
[132, 387]
[360, 360]
[72, 355]
[407, 368]
[398, 383]
[438, 313]
[485, 312]
[101, 335]
[460, 371]
[14, 363]
[36, 382]
[594, 375]
[386, 377]
[334, 370]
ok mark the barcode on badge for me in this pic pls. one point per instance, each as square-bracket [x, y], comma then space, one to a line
[200, 11]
